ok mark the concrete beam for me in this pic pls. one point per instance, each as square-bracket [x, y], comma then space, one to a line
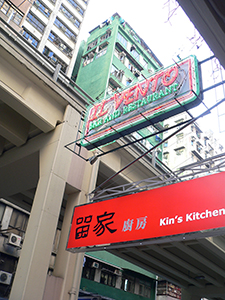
[13, 127]
[2, 143]
[38, 110]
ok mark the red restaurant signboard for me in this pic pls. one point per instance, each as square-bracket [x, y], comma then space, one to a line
[184, 207]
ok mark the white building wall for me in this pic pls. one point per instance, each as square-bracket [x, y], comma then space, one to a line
[42, 38]
[189, 145]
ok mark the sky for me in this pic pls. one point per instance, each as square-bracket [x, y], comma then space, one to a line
[168, 32]
[150, 21]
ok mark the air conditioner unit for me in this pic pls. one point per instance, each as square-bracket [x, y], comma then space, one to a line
[118, 272]
[5, 277]
[95, 265]
[91, 55]
[137, 73]
[14, 240]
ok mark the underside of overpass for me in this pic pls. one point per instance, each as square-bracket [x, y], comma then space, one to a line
[193, 262]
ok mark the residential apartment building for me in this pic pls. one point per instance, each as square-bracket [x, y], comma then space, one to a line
[188, 146]
[51, 26]
[115, 57]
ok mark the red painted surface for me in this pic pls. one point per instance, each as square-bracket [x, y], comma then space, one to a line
[194, 205]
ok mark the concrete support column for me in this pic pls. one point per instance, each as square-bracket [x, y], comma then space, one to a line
[30, 278]
[187, 295]
[97, 277]
[69, 264]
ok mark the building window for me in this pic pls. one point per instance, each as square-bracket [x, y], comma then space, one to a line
[166, 127]
[210, 150]
[122, 39]
[65, 29]
[128, 81]
[157, 138]
[88, 270]
[18, 221]
[205, 140]
[134, 52]
[120, 55]
[10, 12]
[29, 38]
[166, 155]
[88, 59]
[117, 73]
[75, 5]
[59, 43]
[145, 290]
[17, 18]
[165, 145]
[134, 70]
[108, 278]
[128, 284]
[198, 147]
[111, 89]
[179, 122]
[5, 7]
[92, 44]
[69, 16]
[180, 137]
[101, 52]
[179, 151]
[145, 64]
[131, 67]
[55, 59]
[42, 8]
[106, 35]
[198, 133]
[35, 22]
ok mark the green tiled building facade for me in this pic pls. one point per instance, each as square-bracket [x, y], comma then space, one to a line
[115, 57]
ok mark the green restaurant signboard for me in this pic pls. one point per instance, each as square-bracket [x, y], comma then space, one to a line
[167, 92]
